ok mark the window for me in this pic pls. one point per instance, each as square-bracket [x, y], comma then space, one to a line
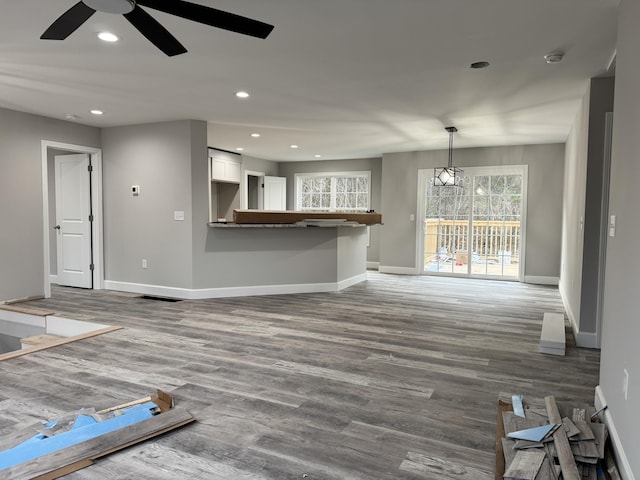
[333, 192]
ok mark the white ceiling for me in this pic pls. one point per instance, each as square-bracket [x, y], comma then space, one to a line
[340, 78]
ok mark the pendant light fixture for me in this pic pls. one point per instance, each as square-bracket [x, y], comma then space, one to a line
[448, 176]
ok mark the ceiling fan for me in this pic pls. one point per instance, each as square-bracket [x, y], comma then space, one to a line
[73, 18]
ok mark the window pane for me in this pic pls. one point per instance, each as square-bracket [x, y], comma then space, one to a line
[513, 184]
[350, 192]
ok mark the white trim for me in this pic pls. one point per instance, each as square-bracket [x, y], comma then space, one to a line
[222, 292]
[373, 265]
[23, 318]
[425, 173]
[586, 340]
[622, 460]
[350, 282]
[604, 223]
[540, 280]
[583, 339]
[298, 176]
[244, 187]
[398, 270]
[96, 186]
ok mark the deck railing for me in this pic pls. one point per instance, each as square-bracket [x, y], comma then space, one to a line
[489, 239]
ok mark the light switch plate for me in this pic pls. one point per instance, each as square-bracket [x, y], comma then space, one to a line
[612, 226]
[178, 216]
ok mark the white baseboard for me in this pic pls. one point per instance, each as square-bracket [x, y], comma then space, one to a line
[373, 265]
[349, 282]
[397, 270]
[538, 280]
[583, 339]
[221, 292]
[621, 458]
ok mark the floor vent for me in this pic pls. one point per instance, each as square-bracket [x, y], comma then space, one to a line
[160, 299]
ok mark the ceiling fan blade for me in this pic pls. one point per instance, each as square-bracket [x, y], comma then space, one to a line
[211, 16]
[68, 22]
[154, 32]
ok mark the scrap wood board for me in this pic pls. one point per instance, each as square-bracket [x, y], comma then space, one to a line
[93, 435]
[581, 444]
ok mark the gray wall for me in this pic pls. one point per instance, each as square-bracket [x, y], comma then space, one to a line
[241, 257]
[601, 102]
[259, 165]
[253, 164]
[158, 158]
[21, 215]
[621, 327]
[374, 165]
[227, 257]
[584, 163]
[544, 215]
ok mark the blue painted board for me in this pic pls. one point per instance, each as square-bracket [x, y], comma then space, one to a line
[84, 428]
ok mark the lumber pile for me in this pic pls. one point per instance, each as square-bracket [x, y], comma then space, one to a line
[57, 448]
[541, 439]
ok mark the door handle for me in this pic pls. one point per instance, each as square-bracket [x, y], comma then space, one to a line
[57, 227]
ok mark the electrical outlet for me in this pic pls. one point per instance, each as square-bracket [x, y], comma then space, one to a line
[144, 263]
[625, 384]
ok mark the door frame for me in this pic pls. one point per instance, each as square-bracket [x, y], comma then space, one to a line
[425, 174]
[96, 206]
[244, 197]
[604, 225]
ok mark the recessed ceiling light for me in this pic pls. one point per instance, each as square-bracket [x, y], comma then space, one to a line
[242, 95]
[71, 116]
[107, 37]
[239, 149]
[294, 146]
[97, 112]
[318, 156]
[478, 65]
[255, 135]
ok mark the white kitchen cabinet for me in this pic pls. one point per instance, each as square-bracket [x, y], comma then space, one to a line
[225, 167]
[225, 171]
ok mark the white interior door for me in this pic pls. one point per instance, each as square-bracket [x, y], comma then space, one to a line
[73, 207]
[275, 193]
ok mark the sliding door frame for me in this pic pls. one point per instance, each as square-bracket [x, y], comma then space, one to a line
[426, 174]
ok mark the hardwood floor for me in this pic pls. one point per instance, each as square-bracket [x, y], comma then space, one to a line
[395, 378]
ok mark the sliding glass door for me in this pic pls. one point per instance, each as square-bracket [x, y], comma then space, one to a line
[477, 229]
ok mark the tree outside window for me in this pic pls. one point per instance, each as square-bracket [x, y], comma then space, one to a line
[333, 192]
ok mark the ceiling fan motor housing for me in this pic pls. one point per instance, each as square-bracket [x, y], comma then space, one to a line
[111, 6]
